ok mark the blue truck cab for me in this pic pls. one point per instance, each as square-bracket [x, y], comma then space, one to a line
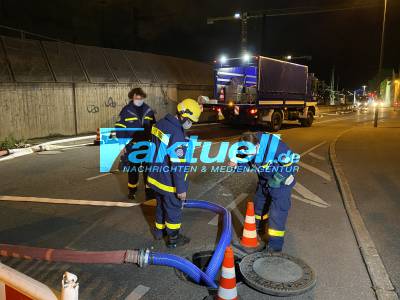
[263, 91]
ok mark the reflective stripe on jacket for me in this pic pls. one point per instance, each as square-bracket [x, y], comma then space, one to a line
[169, 175]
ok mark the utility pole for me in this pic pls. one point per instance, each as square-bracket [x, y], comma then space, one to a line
[244, 33]
[354, 97]
[244, 17]
[382, 39]
[332, 88]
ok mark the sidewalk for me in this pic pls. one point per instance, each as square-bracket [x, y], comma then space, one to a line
[47, 144]
[369, 158]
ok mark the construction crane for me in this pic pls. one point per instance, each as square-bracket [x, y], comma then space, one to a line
[244, 17]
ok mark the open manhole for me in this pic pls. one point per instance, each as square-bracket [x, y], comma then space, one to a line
[277, 274]
[201, 260]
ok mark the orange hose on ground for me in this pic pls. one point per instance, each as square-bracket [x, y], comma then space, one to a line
[64, 255]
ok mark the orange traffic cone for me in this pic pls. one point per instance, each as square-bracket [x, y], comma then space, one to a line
[227, 283]
[249, 238]
[249, 242]
[97, 140]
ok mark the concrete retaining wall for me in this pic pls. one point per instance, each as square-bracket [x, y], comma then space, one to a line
[30, 110]
[334, 108]
[52, 88]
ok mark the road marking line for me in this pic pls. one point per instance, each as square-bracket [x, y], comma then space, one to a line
[312, 149]
[87, 230]
[67, 201]
[316, 171]
[55, 147]
[307, 194]
[335, 119]
[309, 201]
[231, 207]
[138, 292]
[211, 186]
[98, 176]
[49, 152]
[315, 155]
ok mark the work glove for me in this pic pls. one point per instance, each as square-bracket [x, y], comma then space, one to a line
[182, 196]
[276, 180]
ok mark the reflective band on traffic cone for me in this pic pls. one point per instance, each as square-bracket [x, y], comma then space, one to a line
[222, 95]
[220, 116]
[97, 140]
[227, 283]
[249, 238]
[98, 134]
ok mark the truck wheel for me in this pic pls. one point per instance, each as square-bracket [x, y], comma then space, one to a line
[307, 122]
[276, 121]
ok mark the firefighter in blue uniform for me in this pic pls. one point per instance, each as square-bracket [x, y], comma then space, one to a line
[136, 114]
[275, 183]
[167, 175]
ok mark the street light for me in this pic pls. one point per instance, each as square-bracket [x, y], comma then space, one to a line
[223, 59]
[246, 57]
[288, 57]
[382, 49]
[364, 87]
[236, 15]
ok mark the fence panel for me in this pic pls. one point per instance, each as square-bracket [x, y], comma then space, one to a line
[27, 60]
[120, 66]
[64, 62]
[5, 75]
[141, 67]
[94, 62]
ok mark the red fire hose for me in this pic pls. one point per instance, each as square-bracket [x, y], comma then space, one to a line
[71, 256]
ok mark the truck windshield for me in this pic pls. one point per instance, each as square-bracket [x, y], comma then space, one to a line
[245, 76]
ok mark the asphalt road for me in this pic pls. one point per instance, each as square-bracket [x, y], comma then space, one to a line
[318, 228]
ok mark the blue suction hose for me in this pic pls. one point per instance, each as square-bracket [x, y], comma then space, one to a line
[208, 277]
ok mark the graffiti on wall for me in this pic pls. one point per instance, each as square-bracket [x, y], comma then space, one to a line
[110, 102]
[92, 109]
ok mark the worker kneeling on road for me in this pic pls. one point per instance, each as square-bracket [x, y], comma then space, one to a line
[167, 175]
[136, 115]
[275, 183]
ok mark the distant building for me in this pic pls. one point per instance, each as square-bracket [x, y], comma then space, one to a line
[389, 91]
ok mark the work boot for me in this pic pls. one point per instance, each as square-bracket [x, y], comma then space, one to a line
[131, 195]
[261, 230]
[158, 233]
[177, 241]
[150, 194]
[269, 249]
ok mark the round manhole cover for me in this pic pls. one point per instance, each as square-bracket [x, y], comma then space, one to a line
[277, 274]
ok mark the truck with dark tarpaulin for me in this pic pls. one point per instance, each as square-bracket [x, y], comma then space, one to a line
[263, 91]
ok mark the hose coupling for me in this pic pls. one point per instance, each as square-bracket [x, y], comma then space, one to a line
[143, 257]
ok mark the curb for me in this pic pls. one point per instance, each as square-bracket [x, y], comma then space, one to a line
[381, 283]
[13, 153]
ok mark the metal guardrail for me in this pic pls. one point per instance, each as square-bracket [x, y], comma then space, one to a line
[13, 282]
[334, 108]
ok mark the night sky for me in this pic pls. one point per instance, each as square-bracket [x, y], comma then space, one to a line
[348, 40]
